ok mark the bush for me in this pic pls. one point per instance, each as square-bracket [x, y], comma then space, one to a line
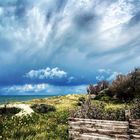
[135, 109]
[126, 87]
[98, 111]
[81, 101]
[95, 89]
[9, 111]
[103, 96]
[121, 88]
[43, 108]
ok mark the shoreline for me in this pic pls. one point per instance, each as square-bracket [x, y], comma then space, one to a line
[6, 99]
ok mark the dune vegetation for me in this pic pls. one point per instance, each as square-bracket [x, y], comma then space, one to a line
[52, 125]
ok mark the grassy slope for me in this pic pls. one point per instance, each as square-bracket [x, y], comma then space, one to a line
[51, 126]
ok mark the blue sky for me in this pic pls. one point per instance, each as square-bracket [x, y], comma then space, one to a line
[49, 46]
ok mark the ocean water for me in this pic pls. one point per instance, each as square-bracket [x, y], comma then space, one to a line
[13, 98]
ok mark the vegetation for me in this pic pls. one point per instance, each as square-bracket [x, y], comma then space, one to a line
[40, 126]
[9, 111]
[42, 108]
[113, 99]
[124, 88]
[135, 109]
[100, 110]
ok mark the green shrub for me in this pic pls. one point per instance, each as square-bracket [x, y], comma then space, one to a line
[43, 108]
[98, 111]
[103, 97]
[135, 109]
[9, 111]
[115, 114]
[50, 126]
[121, 88]
[81, 101]
[95, 89]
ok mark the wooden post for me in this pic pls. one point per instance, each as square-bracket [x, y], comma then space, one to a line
[127, 114]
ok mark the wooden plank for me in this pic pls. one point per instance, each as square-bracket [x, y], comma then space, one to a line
[90, 129]
[95, 136]
[99, 125]
[107, 131]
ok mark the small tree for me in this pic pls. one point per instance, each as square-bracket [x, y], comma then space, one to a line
[95, 89]
[135, 76]
[121, 87]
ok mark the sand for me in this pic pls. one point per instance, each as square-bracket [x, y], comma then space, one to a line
[25, 109]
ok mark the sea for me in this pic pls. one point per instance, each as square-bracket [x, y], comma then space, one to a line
[14, 98]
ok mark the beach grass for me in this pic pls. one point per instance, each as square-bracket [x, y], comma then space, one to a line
[50, 126]
[47, 126]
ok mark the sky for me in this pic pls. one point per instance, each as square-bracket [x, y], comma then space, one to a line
[61, 46]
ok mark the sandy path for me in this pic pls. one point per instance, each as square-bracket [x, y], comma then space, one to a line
[25, 109]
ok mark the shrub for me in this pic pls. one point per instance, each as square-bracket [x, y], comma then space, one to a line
[81, 101]
[95, 89]
[121, 88]
[9, 111]
[98, 111]
[43, 108]
[135, 109]
[126, 87]
[115, 114]
[104, 96]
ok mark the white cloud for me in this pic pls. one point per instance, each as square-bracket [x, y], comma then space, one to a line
[1, 11]
[117, 13]
[47, 73]
[100, 78]
[104, 71]
[27, 88]
[113, 76]
[106, 74]
[44, 88]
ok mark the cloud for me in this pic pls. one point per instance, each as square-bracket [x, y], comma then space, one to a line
[78, 36]
[48, 73]
[106, 74]
[113, 76]
[117, 13]
[42, 89]
[54, 76]
[26, 88]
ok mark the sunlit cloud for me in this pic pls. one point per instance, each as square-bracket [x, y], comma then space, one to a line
[47, 73]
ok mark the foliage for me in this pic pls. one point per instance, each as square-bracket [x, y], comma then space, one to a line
[42, 108]
[135, 109]
[81, 101]
[44, 126]
[121, 88]
[124, 88]
[103, 96]
[98, 110]
[95, 89]
[9, 111]
[50, 126]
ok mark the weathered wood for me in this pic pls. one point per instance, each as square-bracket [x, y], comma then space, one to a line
[91, 129]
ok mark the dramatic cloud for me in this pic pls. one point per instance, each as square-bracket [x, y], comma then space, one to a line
[79, 37]
[47, 73]
[54, 76]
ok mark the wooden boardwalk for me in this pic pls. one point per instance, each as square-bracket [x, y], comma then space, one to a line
[90, 129]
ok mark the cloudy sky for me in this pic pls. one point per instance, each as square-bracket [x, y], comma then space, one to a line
[60, 46]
